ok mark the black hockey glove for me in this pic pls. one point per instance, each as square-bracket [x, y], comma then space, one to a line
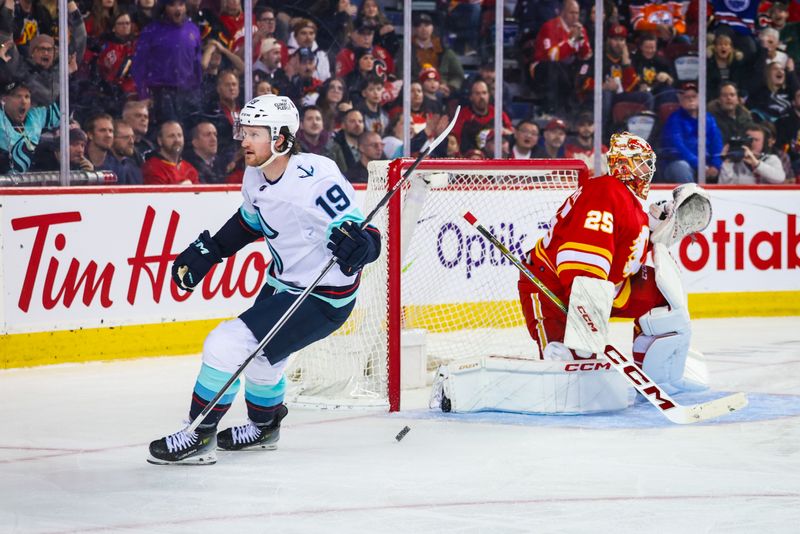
[353, 247]
[193, 264]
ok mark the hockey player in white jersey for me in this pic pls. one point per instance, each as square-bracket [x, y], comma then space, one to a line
[305, 209]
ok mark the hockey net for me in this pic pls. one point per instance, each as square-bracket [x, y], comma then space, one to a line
[437, 283]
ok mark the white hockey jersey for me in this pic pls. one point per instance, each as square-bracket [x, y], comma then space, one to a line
[296, 215]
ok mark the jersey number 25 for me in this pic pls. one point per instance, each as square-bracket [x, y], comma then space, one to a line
[599, 220]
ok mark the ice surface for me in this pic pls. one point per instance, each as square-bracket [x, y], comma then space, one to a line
[73, 447]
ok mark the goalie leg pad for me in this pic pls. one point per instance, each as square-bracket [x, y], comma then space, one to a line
[522, 385]
[674, 318]
[587, 319]
[663, 358]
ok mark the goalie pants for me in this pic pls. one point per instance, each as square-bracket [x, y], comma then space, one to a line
[232, 342]
[546, 322]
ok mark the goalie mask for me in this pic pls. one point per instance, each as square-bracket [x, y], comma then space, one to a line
[274, 112]
[631, 160]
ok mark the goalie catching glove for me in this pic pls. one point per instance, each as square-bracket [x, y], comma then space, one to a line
[193, 264]
[688, 212]
[354, 247]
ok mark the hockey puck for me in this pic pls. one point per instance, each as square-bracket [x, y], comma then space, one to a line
[400, 435]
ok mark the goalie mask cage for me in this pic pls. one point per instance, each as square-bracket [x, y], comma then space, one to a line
[436, 276]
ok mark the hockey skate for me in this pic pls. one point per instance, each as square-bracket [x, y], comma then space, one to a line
[253, 436]
[191, 448]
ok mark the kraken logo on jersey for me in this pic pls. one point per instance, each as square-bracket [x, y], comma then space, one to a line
[308, 173]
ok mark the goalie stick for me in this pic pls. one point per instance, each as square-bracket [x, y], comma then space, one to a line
[307, 291]
[651, 391]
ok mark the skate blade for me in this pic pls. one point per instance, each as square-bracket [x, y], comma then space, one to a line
[261, 447]
[203, 459]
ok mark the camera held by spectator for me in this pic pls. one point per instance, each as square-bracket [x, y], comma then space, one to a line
[736, 147]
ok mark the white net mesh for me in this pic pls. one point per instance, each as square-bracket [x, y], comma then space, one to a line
[454, 285]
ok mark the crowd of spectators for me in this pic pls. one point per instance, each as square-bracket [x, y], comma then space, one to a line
[156, 85]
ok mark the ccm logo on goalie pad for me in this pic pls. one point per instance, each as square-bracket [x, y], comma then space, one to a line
[587, 366]
[635, 374]
[587, 318]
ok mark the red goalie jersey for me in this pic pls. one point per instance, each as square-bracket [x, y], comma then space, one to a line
[600, 231]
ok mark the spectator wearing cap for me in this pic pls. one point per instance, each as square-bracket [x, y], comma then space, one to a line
[375, 118]
[38, 63]
[581, 145]
[305, 82]
[347, 137]
[304, 35]
[168, 63]
[268, 66]
[48, 155]
[561, 43]
[478, 116]
[679, 141]
[555, 134]
[731, 115]
[385, 35]
[428, 49]
[21, 127]
[370, 148]
[364, 71]
[122, 155]
[166, 166]
[313, 137]
[361, 38]
[526, 137]
[431, 83]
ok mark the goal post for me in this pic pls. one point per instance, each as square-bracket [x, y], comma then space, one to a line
[439, 292]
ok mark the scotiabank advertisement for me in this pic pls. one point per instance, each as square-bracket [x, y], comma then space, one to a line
[96, 257]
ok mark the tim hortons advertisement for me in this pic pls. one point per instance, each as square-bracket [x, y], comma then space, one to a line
[99, 259]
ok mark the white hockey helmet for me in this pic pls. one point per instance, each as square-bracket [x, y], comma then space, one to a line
[632, 160]
[273, 112]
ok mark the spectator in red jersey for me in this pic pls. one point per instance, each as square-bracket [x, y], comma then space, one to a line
[231, 16]
[477, 117]
[555, 133]
[560, 45]
[116, 56]
[361, 38]
[581, 145]
[165, 167]
[526, 137]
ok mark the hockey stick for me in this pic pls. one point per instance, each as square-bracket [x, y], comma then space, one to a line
[633, 373]
[307, 291]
